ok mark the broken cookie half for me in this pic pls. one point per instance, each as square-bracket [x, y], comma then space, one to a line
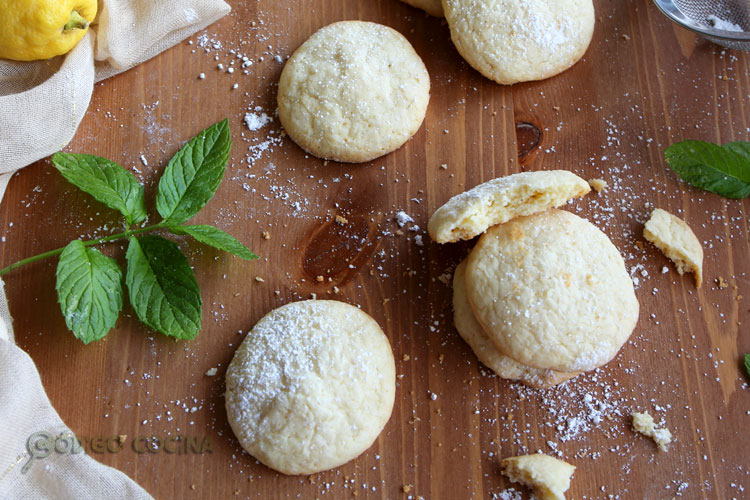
[677, 241]
[549, 477]
[471, 213]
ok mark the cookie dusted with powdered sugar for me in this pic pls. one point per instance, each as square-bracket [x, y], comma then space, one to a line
[311, 386]
[353, 91]
[487, 351]
[551, 291]
[511, 41]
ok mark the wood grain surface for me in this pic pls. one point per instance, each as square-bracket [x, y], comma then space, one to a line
[642, 85]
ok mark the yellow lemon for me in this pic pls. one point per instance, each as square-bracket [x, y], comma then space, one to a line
[40, 29]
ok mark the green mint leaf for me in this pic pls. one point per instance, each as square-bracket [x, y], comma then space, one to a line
[747, 364]
[216, 238]
[193, 174]
[740, 147]
[723, 170]
[163, 289]
[106, 181]
[89, 290]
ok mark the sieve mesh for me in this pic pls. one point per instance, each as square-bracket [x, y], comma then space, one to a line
[694, 15]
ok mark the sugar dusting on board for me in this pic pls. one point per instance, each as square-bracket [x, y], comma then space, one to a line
[256, 119]
[573, 421]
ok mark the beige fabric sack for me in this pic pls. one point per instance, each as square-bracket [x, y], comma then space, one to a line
[41, 105]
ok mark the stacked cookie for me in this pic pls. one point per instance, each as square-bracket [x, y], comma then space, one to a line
[544, 294]
[511, 41]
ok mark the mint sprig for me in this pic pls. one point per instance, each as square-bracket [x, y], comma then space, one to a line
[747, 364]
[724, 170]
[162, 287]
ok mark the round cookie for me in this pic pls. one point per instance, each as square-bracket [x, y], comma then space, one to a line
[511, 41]
[486, 351]
[311, 386]
[353, 91]
[551, 291]
[432, 7]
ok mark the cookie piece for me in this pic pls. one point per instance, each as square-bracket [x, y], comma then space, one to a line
[644, 424]
[677, 241]
[549, 477]
[510, 41]
[551, 291]
[311, 386]
[432, 7]
[598, 185]
[470, 213]
[353, 91]
[486, 351]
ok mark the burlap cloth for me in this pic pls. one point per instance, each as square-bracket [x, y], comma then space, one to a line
[41, 105]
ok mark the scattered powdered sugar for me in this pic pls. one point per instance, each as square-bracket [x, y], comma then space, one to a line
[548, 33]
[402, 218]
[509, 494]
[257, 120]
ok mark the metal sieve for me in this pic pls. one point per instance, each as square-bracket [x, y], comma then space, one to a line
[715, 20]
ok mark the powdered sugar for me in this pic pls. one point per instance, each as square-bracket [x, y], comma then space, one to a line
[257, 120]
[402, 218]
[722, 24]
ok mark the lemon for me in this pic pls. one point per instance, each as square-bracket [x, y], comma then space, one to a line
[40, 29]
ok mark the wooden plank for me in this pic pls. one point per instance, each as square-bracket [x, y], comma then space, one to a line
[641, 86]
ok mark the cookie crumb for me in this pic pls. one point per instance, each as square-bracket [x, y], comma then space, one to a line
[341, 220]
[405, 357]
[211, 372]
[445, 278]
[406, 488]
[721, 283]
[644, 424]
[598, 185]
[319, 279]
[549, 477]
[266, 235]
[259, 279]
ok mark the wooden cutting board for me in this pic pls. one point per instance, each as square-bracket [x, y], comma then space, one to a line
[642, 85]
